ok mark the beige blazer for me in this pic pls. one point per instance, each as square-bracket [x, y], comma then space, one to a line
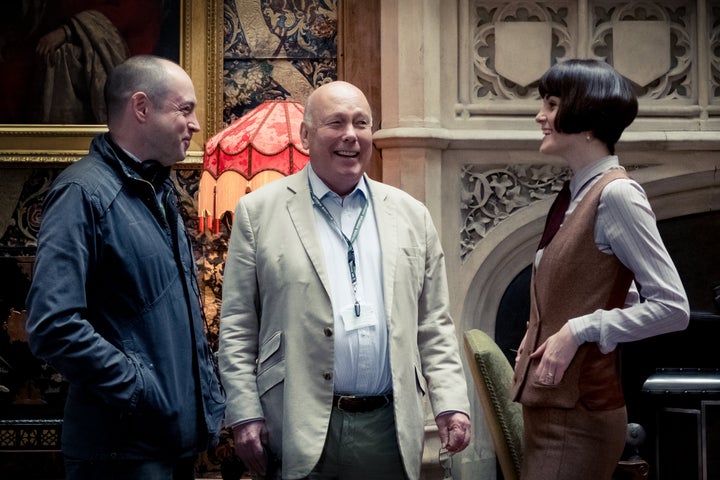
[276, 345]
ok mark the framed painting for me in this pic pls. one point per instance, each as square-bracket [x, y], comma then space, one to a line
[194, 40]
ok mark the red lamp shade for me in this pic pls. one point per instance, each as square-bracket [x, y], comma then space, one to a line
[261, 146]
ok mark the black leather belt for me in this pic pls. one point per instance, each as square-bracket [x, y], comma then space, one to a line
[355, 404]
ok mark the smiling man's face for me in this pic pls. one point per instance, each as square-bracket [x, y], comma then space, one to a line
[338, 135]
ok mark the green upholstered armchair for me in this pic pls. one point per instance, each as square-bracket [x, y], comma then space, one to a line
[493, 376]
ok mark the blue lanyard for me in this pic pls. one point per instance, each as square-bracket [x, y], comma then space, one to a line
[348, 241]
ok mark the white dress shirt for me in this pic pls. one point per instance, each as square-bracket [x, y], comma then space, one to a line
[362, 363]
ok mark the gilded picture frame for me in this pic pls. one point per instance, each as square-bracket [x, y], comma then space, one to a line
[200, 55]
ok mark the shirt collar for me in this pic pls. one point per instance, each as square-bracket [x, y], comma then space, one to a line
[583, 176]
[321, 190]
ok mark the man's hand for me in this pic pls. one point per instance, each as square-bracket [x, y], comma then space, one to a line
[454, 429]
[249, 440]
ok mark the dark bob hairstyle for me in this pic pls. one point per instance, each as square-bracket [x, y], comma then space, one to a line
[593, 97]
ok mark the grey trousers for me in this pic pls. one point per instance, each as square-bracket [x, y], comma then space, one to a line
[359, 446]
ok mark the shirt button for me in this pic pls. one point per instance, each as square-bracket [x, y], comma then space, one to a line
[327, 376]
[328, 331]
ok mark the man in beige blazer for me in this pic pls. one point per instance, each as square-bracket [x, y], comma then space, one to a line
[335, 322]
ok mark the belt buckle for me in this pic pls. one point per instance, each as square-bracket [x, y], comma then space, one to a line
[343, 397]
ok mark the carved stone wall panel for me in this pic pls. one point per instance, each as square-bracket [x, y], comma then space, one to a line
[491, 194]
[514, 43]
[641, 49]
[652, 44]
[668, 49]
[517, 60]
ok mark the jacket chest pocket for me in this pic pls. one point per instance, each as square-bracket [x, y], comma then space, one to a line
[411, 266]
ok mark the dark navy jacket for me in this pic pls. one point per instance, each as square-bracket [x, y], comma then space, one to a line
[114, 307]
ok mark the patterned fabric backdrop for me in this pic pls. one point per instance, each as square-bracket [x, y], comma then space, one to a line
[274, 49]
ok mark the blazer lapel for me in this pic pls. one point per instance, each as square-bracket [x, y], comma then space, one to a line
[302, 215]
[388, 233]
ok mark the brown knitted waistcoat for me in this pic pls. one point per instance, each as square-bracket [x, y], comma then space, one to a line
[574, 278]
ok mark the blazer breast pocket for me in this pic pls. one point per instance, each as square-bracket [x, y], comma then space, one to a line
[411, 265]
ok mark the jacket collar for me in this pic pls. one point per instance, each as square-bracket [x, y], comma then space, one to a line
[126, 165]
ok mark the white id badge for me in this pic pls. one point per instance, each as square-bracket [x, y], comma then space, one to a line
[367, 317]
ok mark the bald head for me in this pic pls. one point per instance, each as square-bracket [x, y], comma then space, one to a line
[142, 73]
[339, 90]
[151, 109]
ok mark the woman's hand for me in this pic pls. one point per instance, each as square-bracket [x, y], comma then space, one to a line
[555, 355]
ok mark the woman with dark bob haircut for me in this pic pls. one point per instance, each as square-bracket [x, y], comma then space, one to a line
[601, 276]
[593, 97]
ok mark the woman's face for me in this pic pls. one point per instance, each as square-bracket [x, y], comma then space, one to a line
[554, 142]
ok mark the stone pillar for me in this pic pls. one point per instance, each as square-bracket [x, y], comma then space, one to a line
[410, 55]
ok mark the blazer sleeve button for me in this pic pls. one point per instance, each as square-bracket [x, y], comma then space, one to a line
[328, 331]
[327, 375]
